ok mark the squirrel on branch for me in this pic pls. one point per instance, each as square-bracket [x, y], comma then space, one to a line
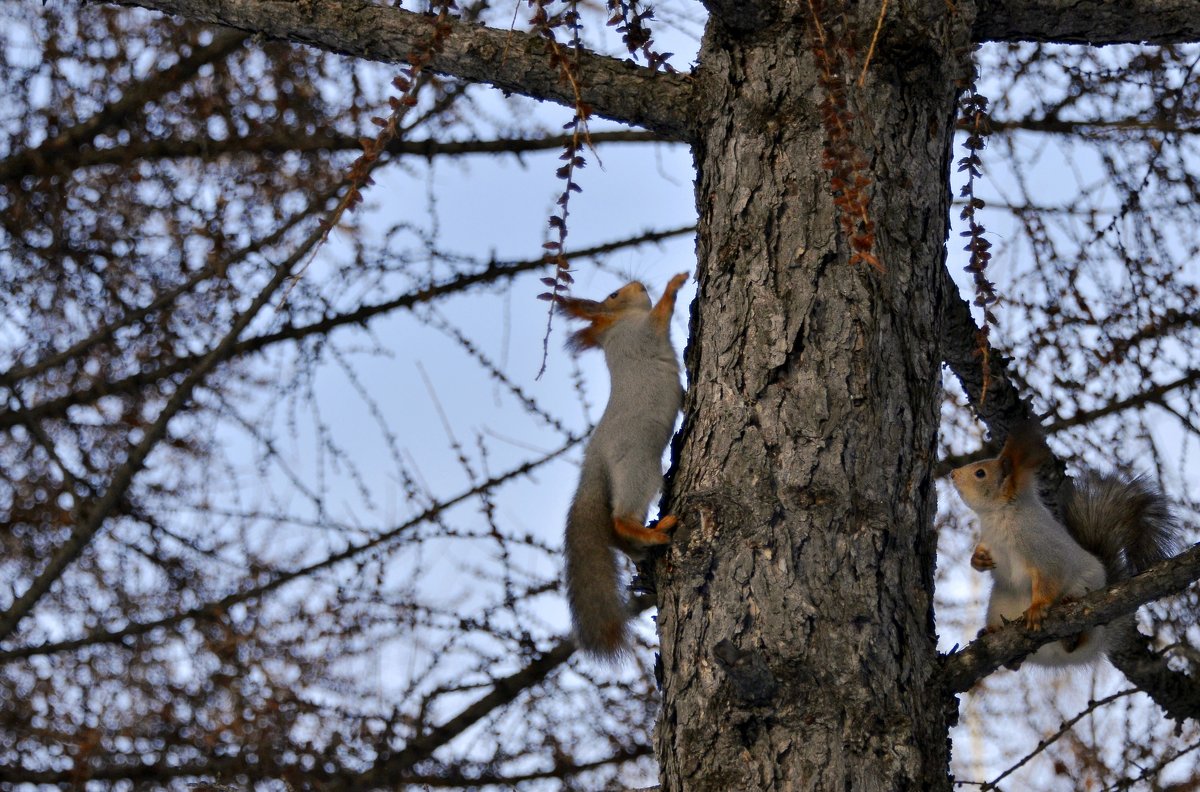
[622, 466]
[1113, 527]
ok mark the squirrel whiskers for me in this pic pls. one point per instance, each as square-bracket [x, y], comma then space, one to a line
[622, 466]
[1113, 527]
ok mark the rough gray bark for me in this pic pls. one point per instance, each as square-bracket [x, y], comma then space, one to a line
[1089, 21]
[798, 648]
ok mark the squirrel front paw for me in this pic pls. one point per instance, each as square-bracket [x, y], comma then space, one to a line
[676, 283]
[981, 559]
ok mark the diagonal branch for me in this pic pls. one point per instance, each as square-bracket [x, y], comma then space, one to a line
[503, 692]
[1152, 395]
[70, 140]
[215, 608]
[511, 60]
[93, 515]
[962, 669]
[1089, 21]
[1003, 404]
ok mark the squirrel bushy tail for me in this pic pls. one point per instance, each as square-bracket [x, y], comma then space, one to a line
[1122, 520]
[592, 575]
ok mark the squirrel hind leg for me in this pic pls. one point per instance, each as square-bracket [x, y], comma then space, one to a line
[1044, 594]
[632, 534]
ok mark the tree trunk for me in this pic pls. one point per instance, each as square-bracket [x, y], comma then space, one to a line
[798, 649]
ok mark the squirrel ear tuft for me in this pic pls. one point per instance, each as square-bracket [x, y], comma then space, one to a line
[1024, 452]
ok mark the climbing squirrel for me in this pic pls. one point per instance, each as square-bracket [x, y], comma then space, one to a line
[1113, 527]
[622, 466]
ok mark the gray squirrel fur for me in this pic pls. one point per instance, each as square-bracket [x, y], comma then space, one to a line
[622, 466]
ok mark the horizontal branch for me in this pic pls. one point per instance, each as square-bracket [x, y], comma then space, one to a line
[440, 776]
[458, 777]
[494, 272]
[1168, 124]
[212, 149]
[511, 60]
[131, 770]
[1089, 21]
[962, 669]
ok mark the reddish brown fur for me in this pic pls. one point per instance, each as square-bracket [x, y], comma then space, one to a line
[981, 559]
[601, 314]
[1045, 592]
[661, 312]
[632, 532]
[1022, 455]
[589, 337]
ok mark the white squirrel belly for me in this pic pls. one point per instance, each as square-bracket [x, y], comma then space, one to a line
[1012, 588]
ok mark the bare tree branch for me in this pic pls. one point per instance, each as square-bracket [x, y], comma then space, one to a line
[45, 156]
[504, 691]
[1152, 395]
[493, 273]
[1176, 692]
[211, 610]
[1003, 405]
[508, 59]
[1089, 21]
[209, 149]
[1093, 125]
[106, 332]
[455, 776]
[93, 515]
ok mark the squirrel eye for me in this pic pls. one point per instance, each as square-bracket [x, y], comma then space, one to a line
[980, 473]
[613, 296]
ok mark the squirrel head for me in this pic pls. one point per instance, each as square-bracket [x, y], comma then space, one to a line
[993, 483]
[603, 314]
